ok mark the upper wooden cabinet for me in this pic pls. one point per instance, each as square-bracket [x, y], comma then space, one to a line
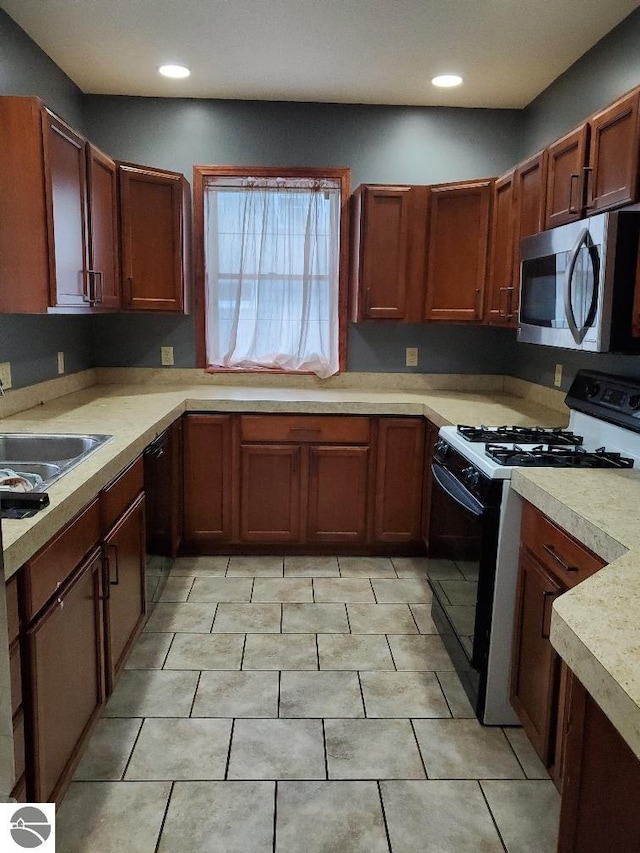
[612, 175]
[518, 211]
[595, 167]
[499, 292]
[387, 251]
[457, 251]
[565, 186]
[58, 242]
[154, 206]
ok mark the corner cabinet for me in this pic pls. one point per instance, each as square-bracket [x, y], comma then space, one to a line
[458, 234]
[58, 242]
[154, 210]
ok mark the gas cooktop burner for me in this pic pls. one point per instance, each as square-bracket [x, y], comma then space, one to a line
[524, 434]
[556, 457]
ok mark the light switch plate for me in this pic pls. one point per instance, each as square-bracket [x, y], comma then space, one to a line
[60, 362]
[166, 356]
[411, 357]
[5, 374]
[557, 380]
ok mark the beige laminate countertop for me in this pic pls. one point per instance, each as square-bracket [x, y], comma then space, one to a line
[595, 627]
[134, 414]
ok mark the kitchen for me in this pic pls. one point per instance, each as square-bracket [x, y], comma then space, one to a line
[489, 146]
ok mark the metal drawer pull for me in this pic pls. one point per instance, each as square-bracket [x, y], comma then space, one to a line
[314, 430]
[552, 552]
[573, 178]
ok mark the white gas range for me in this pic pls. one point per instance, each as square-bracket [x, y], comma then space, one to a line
[475, 521]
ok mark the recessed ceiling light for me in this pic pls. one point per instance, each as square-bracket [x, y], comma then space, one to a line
[175, 71]
[447, 81]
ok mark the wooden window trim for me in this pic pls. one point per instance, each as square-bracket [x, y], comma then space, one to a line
[200, 175]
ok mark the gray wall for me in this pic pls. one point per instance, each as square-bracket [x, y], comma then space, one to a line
[31, 344]
[609, 69]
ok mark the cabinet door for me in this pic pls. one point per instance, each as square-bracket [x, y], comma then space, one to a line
[381, 222]
[613, 155]
[124, 548]
[337, 493]
[66, 679]
[457, 251]
[104, 273]
[151, 219]
[270, 493]
[67, 169]
[534, 673]
[565, 185]
[530, 195]
[398, 484]
[499, 296]
[207, 481]
[601, 787]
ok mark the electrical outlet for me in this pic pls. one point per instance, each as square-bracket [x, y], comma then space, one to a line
[557, 380]
[60, 362]
[166, 356]
[5, 374]
[411, 357]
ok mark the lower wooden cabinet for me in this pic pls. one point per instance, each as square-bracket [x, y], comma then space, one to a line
[66, 683]
[601, 786]
[399, 480]
[124, 560]
[550, 563]
[337, 494]
[270, 493]
[309, 482]
[163, 489]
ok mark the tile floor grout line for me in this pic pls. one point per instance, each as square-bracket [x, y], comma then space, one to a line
[164, 659]
[393, 660]
[415, 737]
[348, 619]
[375, 597]
[324, 748]
[164, 818]
[413, 616]
[364, 704]
[384, 815]
[281, 618]
[513, 749]
[244, 646]
[494, 821]
[275, 813]
[313, 591]
[253, 585]
[226, 768]
[135, 742]
[215, 613]
[193, 701]
[279, 692]
[435, 672]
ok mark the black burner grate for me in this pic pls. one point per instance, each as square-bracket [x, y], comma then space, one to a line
[523, 434]
[556, 457]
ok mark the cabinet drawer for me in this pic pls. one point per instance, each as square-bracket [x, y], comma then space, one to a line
[564, 557]
[117, 496]
[13, 614]
[53, 565]
[16, 679]
[304, 429]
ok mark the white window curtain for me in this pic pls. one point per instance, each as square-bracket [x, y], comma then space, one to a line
[272, 248]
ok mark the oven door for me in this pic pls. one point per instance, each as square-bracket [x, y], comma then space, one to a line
[463, 532]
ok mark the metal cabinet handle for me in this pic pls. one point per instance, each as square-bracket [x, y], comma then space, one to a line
[476, 309]
[108, 559]
[586, 172]
[129, 289]
[574, 177]
[553, 553]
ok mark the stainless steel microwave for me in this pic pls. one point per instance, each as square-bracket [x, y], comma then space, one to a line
[577, 284]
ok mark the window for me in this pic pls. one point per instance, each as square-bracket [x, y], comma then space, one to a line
[270, 286]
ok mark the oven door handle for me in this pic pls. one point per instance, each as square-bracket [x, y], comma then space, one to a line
[456, 491]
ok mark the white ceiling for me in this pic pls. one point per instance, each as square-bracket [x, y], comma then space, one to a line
[349, 51]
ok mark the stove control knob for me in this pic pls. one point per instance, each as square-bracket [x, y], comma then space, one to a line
[471, 476]
[442, 448]
[592, 389]
[634, 402]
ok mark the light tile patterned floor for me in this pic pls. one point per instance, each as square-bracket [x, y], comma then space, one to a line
[278, 705]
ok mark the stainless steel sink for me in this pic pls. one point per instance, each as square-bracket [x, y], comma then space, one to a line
[50, 456]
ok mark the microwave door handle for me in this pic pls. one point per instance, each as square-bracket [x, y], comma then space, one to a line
[577, 334]
[595, 265]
